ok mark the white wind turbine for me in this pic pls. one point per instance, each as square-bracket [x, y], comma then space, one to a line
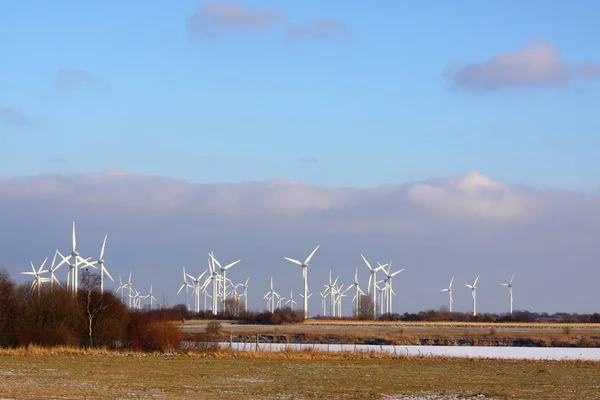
[129, 286]
[76, 259]
[449, 290]
[388, 287]
[214, 279]
[37, 275]
[185, 285]
[245, 294]
[473, 288]
[510, 293]
[270, 296]
[223, 276]
[196, 290]
[373, 278]
[151, 297]
[324, 303]
[53, 269]
[122, 287]
[291, 301]
[355, 299]
[304, 266]
[332, 290]
[100, 263]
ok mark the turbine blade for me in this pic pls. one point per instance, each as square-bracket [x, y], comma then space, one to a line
[366, 262]
[74, 239]
[103, 246]
[311, 254]
[294, 261]
[231, 265]
[106, 272]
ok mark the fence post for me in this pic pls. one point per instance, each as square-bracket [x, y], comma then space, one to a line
[257, 336]
[230, 341]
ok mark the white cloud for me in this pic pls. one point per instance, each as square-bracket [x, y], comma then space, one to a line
[472, 195]
[538, 63]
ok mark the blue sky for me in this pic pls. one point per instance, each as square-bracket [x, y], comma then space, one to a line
[253, 104]
[449, 103]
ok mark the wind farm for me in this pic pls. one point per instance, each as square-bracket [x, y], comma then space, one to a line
[212, 289]
[237, 199]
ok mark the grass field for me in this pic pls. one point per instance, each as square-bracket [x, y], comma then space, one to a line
[305, 375]
[412, 332]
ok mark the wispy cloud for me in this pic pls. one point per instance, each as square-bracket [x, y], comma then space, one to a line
[538, 63]
[14, 116]
[215, 17]
[71, 78]
[320, 28]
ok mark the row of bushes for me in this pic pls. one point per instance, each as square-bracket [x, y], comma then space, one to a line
[51, 316]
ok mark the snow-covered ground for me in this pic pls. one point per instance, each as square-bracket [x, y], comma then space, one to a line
[530, 353]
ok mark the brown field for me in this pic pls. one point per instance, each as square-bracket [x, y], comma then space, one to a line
[71, 373]
[539, 334]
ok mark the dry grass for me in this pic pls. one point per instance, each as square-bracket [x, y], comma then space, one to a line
[414, 333]
[60, 372]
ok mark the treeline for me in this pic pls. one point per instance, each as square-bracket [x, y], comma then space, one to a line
[280, 316]
[517, 316]
[52, 315]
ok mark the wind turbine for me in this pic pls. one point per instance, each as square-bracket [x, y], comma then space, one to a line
[196, 290]
[151, 297]
[76, 259]
[122, 288]
[510, 291]
[332, 290]
[324, 303]
[473, 288]
[245, 287]
[37, 275]
[223, 275]
[304, 266]
[373, 277]
[270, 296]
[291, 300]
[358, 291]
[103, 269]
[185, 285]
[449, 290]
[53, 269]
[388, 286]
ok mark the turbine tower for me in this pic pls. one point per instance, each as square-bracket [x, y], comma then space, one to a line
[473, 288]
[304, 266]
[510, 290]
[449, 290]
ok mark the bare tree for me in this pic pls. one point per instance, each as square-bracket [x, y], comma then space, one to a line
[365, 307]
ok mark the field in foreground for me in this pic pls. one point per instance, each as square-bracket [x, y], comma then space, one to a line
[225, 375]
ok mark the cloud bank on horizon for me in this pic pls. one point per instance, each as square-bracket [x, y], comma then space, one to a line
[462, 226]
